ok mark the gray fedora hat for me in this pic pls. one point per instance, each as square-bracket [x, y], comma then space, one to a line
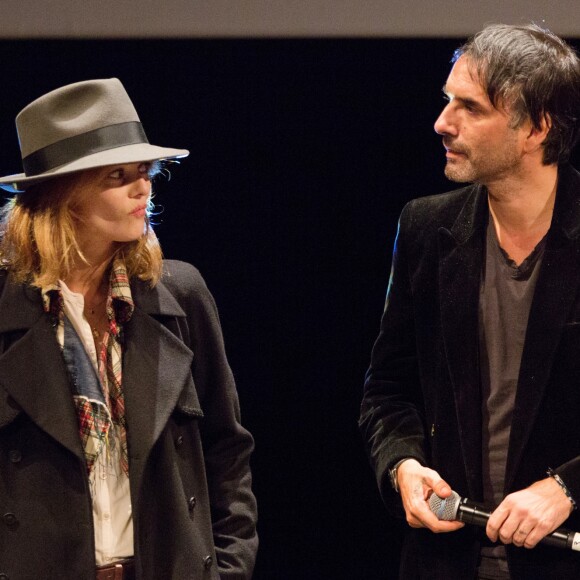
[77, 127]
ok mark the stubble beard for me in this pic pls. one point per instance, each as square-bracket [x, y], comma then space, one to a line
[460, 171]
[484, 164]
[484, 168]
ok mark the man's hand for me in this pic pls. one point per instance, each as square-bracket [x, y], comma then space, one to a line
[523, 518]
[416, 483]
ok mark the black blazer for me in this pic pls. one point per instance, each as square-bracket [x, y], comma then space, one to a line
[193, 510]
[422, 391]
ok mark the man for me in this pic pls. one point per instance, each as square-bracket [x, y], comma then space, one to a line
[474, 382]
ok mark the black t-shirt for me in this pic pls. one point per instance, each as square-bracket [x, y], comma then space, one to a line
[504, 305]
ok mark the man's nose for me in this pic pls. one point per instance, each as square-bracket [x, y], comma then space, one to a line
[444, 125]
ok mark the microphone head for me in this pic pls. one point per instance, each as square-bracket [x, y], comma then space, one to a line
[445, 508]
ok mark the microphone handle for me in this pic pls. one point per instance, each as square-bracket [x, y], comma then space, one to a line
[471, 513]
[562, 538]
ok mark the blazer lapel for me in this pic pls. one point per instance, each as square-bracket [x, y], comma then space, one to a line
[460, 262]
[156, 369]
[32, 371]
[556, 289]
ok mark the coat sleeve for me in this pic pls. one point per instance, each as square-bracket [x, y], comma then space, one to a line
[391, 419]
[226, 443]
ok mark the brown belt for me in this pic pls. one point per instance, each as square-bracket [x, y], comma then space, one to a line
[123, 570]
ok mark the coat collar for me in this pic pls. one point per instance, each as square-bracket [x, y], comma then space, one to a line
[567, 207]
[472, 218]
[33, 377]
[21, 305]
[566, 220]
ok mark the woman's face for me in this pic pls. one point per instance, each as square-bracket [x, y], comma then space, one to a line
[111, 206]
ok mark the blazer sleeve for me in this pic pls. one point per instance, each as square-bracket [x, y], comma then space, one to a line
[226, 443]
[391, 418]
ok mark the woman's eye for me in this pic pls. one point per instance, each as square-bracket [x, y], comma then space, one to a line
[117, 174]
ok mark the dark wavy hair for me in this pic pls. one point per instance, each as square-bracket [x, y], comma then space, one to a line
[535, 75]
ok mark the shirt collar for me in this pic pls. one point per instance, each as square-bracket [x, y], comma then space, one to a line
[120, 304]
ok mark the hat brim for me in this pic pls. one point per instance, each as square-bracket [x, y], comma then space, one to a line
[135, 153]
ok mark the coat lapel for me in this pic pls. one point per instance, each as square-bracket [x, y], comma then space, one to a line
[460, 262]
[156, 369]
[556, 289]
[32, 371]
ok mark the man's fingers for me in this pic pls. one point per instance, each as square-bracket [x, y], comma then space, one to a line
[420, 516]
[435, 525]
[524, 537]
[441, 488]
[436, 483]
[508, 532]
[416, 484]
[496, 522]
[526, 516]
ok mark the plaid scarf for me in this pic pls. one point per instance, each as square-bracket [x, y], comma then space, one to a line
[97, 394]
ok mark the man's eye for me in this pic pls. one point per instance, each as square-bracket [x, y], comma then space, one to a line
[144, 168]
[117, 174]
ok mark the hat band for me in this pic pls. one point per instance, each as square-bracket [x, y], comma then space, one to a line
[79, 146]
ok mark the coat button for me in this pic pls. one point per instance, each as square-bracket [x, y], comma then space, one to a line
[191, 503]
[207, 562]
[15, 456]
[10, 520]
[179, 441]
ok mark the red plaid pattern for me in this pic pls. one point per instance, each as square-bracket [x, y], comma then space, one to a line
[94, 419]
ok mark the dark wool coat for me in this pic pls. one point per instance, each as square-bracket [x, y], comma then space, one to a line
[422, 392]
[194, 513]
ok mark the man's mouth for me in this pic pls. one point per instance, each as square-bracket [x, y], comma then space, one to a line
[453, 151]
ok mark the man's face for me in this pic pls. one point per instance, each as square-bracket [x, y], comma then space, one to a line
[481, 146]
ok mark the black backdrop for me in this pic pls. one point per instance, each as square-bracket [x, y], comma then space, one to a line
[303, 153]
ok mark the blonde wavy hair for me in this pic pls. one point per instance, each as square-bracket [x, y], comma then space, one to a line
[38, 237]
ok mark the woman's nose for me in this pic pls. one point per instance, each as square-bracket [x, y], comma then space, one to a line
[141, 186]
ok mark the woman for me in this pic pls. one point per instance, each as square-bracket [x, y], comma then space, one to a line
[121, 450]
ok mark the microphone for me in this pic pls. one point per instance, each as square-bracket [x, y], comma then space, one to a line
[464, 510]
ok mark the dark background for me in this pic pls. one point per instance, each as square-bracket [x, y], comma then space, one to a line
[303, 153]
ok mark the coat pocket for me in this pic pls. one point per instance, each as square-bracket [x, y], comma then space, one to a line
[188, 402]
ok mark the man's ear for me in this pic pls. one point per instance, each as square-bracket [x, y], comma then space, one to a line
[538, 135]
